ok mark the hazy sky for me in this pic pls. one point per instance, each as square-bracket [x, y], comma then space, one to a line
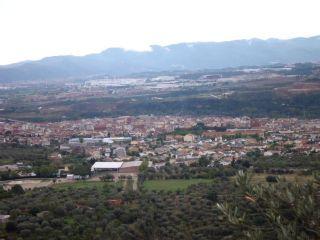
[32, 29]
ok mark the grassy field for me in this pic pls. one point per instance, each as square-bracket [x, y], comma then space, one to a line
[172, 184]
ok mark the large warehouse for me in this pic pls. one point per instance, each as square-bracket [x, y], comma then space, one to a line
[123, 167]
[106, 166]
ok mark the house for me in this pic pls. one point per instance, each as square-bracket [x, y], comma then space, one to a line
[117, 139]
[70, 176]
[94, 153]
[91, 141]
[55, 156]
[189, 138]
[107, 152]
[107, 140]
[75, 177]
[120, 152]
[65, 148]
[74, 141]
[271, 153]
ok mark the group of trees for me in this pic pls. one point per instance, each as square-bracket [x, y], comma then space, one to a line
[222, 209]
[255, 103]
[199, 170]
[85, 213]
[297, 161]
[37, 161]
[34, 158]
[15, 190]
[33, 155]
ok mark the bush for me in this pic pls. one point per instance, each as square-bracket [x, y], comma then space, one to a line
[11, 226]
[107, 178]
[212, 195]
[271, 178]
[25, 233]
[17, 189]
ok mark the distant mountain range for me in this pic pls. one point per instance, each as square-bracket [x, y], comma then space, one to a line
[182, 56]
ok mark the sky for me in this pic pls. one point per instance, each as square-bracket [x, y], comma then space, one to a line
[33, 29]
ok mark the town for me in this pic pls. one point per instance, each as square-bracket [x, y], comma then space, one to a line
[122, 144]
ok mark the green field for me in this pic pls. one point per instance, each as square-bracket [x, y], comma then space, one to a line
[172, 184]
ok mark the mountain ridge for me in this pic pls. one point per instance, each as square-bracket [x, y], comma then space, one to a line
[180, 56]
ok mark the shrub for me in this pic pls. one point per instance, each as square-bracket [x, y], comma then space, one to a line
[271, 178]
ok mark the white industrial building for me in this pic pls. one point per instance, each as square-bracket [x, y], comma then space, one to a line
[106, 166]
[122, 167]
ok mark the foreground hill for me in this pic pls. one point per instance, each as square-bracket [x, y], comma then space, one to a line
[190, 56]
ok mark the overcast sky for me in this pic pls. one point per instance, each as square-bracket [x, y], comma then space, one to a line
[33, 29]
